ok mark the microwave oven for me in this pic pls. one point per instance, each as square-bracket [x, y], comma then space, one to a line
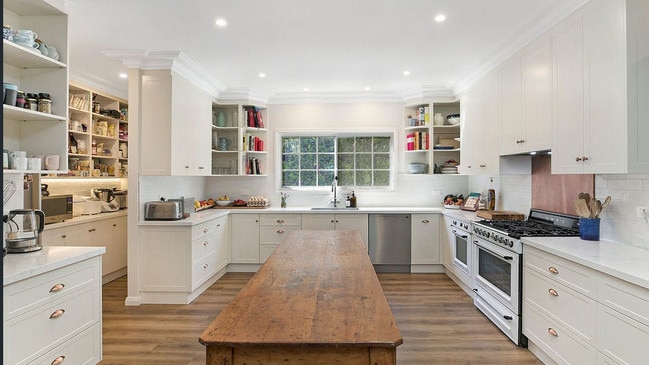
[57, 208]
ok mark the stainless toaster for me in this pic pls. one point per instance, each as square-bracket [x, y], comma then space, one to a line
[163, 211]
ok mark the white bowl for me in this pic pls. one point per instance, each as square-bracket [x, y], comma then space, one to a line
[223, 203]
[417, 168]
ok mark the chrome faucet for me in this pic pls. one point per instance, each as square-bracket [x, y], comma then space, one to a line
[334, 189]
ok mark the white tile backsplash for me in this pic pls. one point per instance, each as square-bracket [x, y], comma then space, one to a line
[171, 187]
[513, 192]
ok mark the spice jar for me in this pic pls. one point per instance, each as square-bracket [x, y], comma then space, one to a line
[31, 101]
[44, 103]
[20, 99]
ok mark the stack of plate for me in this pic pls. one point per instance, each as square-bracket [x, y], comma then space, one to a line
[449, 169]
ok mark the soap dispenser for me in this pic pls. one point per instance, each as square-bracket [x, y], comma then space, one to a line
[353, 200]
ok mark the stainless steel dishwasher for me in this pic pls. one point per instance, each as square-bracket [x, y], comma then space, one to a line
[389, 242]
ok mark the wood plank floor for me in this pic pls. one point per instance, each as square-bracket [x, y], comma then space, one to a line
[438, 322]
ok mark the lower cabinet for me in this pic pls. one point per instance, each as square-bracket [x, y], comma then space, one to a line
[577, 315]
[179, 262]
[54, 316]
[245, 238]
[273, 229]
[425, 238]
[110, 233]
[347, 221]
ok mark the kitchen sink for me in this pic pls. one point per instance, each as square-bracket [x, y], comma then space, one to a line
[332, 208]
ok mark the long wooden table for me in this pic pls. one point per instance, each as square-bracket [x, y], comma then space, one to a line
[316, 300]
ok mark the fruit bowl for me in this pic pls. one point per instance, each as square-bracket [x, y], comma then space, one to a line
[223, 203]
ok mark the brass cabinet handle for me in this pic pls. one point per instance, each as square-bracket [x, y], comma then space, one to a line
[57, 287]
[206, 230]
[114, 224]
[553, 332]
[483, 165]
[425, 221]
[205, 266]
[280, 231]
[58, 360]
[218, 225]
[205, 243]
[553, 292]
[64, 235]
[553, 270]
[57, 313]
[200, 167]
[280, 221]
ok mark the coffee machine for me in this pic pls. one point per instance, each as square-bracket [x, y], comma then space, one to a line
[23, 227]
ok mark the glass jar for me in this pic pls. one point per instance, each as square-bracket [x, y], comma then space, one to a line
[31, 101]
[45, 105]
[20, 99]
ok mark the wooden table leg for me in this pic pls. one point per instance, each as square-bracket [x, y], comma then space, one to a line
[383, 356]
[219, 355]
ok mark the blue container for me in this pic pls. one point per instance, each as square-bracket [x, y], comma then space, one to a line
[589, 229]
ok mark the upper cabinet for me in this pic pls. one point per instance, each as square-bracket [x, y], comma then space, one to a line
[175, 129]
[601, 85]
[429, 136]
[239, 136]
[526, 84]
[38, 132]
[481, 116]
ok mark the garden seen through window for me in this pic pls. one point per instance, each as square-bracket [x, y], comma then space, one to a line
[358, 161]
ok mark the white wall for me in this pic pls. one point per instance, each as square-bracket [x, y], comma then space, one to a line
[170, 187]
[411, 190]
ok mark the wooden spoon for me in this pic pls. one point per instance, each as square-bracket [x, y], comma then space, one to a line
[606, 202]
[599, 209]
[582, 208]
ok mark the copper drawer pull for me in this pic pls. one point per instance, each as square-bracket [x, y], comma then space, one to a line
[553, 292]
[205, 266]
[280, 221]
[425, 221]
[553, 332]
[205, 243]
[57, 287]
[57, 313]
[553, 270]
[280, 231]
[63, 235]
[206, 230]
[114, 224]
[58, 360]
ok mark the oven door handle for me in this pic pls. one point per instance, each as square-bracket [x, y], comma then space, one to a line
[509, 318]
[459, 235]
[508, 258]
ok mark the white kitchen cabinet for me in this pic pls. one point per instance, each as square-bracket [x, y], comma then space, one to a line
[32, 131]
[425, 239]
[600, 84]
[481, 119]
[273, 229]
[179, 262]
[245, 238]
[526, 99]
[175, 126]
[110, 233]
[344, 221]
[54, 315]
[447, 239]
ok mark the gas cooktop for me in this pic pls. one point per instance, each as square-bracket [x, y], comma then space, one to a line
[539, 224]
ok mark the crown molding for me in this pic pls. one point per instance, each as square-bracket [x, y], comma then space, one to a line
[241, 95]
[427, 93]
[175, 61]
[97, 83]
[533, 27]
[335, 97]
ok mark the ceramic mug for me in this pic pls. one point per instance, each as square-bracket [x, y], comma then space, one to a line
[53, 53]
[18, 163]
[52, 162]
[42, 47]
[25, 37]
[34, 163]
[8, 33]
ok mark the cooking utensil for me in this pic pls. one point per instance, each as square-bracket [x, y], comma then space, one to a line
[582, 208]
[606, 202]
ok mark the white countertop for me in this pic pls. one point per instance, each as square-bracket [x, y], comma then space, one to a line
[464, 215]
[86, 218]
[614, 258]
[20, 266]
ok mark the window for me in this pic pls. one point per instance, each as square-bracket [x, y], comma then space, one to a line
[358, 161]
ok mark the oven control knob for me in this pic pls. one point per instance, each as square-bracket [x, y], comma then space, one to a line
[511, 243]
[488, 234]
[500, 239]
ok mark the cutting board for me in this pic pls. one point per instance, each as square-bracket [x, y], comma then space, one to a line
[495, 215]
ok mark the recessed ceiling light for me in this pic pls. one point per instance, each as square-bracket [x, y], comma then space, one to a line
[221, 23]
[367, 88]
[305, 89]
[440, 18]
[533, 153]
[123, 75]
[262, 75]
[406, 73]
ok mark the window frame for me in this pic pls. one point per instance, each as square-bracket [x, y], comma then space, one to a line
[327, 133]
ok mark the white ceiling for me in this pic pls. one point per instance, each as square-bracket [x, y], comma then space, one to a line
[328, 46]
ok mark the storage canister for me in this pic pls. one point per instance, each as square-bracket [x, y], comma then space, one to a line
[44, 103]
[31, 101]
[11, 91]
[20, 99]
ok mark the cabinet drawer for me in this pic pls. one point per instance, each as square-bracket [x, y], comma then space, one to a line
[564, 348]
[203, 247]
[84, 348]
[203, 270]
[204, 229]
[272, 235]
[626, 298]
[575, 276]
[569, 308]
[621, 338]
[280, 220]
[39, 290]
[30, 334]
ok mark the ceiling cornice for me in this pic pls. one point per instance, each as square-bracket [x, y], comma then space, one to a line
[97, 83]
[534, 26]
